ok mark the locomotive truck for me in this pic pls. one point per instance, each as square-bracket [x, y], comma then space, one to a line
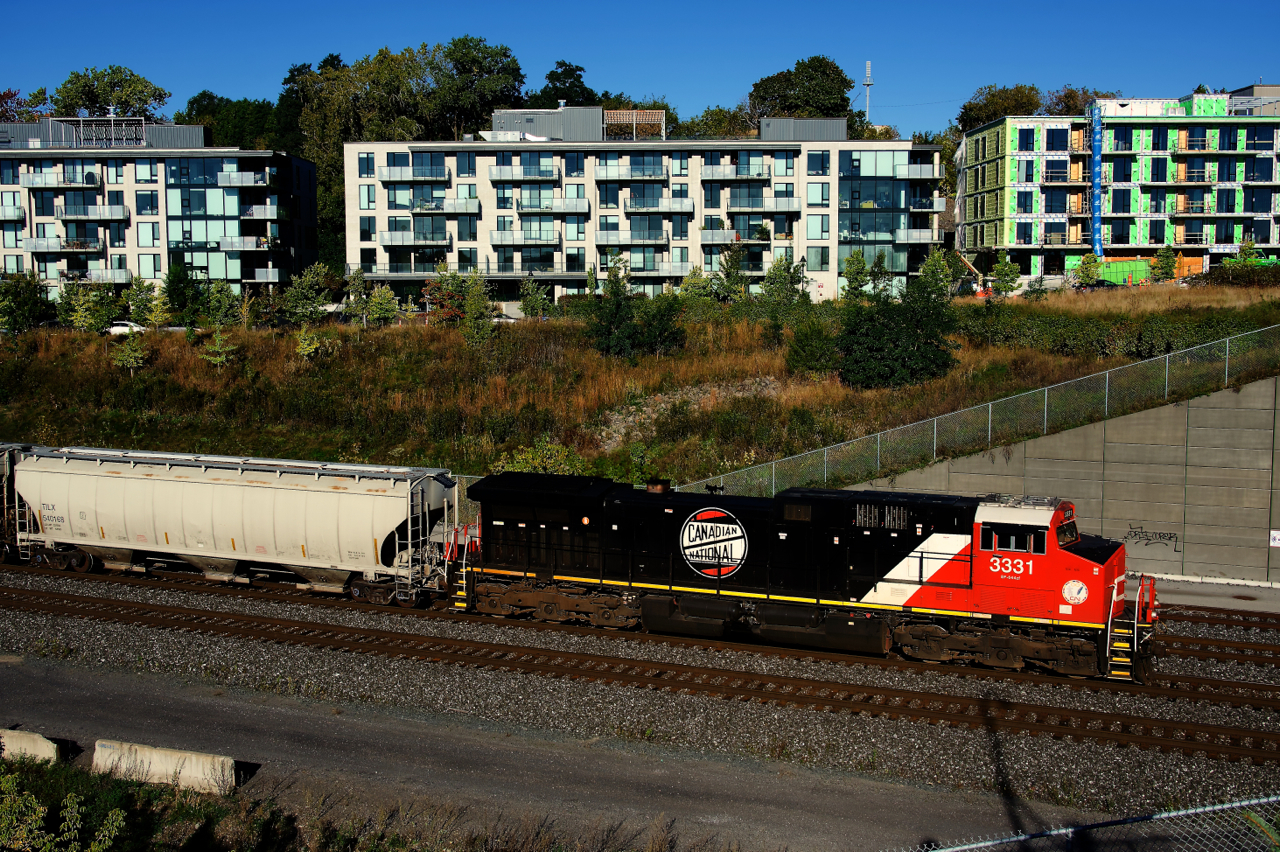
[1004, 582]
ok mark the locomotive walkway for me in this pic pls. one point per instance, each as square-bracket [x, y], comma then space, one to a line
[960, 711]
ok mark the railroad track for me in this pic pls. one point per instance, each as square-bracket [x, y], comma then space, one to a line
[1225, 692]
[960, 711]
[1221, 617]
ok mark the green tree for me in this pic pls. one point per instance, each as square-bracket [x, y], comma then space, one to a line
[478, 312]
[731, 283]
[564, 83]
[660, 330]
[815, 88]
[949, 140]
[445, 298]
[472, 78]
[22, 821]
[534, 301]
[244, 123]
[1072, 100]
[856, 275]
[14, 107]
[888, 342]
[696, 285]
[24, 301]
[383, 306]
[139, 297]
[717, 122]
[812, 349]
[1165, 267]
[880, 276]
[95, 92]
[784, 282]
[593, 286]
[1247, 251]
[356, 305]
[222, 305]
[184, 294]
[303, 302]
[1036, 291]
[1088, 271]
[1004, 276]
[545, 456]
[989, 103]
[219, 350]
[130, 353]
[308, 343]
[159, 315]
[613, 325]
[91, 305]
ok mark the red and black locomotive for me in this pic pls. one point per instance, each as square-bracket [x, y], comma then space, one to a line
[1007, 582]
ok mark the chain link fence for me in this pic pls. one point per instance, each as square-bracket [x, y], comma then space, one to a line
[1123, 390]
[1235, 827]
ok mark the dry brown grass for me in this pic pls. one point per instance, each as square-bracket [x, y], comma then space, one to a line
[1155, 299]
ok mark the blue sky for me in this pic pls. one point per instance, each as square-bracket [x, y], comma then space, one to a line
[927, 58]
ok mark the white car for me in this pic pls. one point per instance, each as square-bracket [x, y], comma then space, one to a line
[125, 327]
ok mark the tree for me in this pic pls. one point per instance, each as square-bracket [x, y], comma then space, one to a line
[784, 283]
[545, 456]
[95, 92]
[218, 351]
[303, 302]
[244, 123]
[613, 327]
[564, 83]
[130, 353]
[716, 122]
[472, 78]
[812, 349]
[1004, 276]
[989, 103]
[888, 342]
[660, 329]
[89, 305]
[1088, 270]
[139, 297]
[879, 276]
[1247, 251]
[1036, 291]
[949, 140]
[383, 306]
[183, 293]
[696, 285]
[158, 316]
[222, 305]
[856, 276]
[731, 282]
[23, 819]
[1070, 100]
[860, 128]
[1165, 267]
[534, 302]
[308, 343]
[14, 107]
[815, 88]
[24, 301]
[478, 312]
[444, 297]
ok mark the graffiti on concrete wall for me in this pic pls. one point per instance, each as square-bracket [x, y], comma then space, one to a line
[1147, 538]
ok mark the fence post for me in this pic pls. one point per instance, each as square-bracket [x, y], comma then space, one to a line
[825, 450]
[1226, 366]
[774, 471]
[1166, 376]
[1045, 430]
[989, 425]
[1106, 397]
[935, 439]
[878, 454]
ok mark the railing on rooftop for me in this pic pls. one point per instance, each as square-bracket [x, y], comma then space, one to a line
[1101, 396]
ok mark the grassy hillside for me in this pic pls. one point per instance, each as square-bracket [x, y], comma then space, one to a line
[418, 395]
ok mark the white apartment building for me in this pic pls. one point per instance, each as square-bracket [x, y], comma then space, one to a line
[551, 194]
[107, 199]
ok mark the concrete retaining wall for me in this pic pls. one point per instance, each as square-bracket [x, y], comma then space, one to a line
[208, 773]
[1190, 488]
[20, 743]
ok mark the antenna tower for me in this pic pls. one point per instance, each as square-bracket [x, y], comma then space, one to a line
[867, 84]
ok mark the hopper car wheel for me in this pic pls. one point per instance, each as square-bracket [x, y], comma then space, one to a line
[81, 563]
[408, 600]
[356, 592]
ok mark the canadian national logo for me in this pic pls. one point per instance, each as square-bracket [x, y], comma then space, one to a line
[713, 542]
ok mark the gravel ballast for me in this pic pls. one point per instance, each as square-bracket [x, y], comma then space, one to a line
[1076, 773]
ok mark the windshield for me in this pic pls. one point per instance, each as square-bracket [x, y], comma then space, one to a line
[1067, 534]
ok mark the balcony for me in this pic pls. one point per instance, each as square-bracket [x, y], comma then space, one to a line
[1191, 208]
[624, 173]
[724, 238]
[554, 205]
[916, 235]
[113, 276]
[664, 269]
[263, 211]
[1192, 239]
[245, 179]
[917, 172]
[265, 276]
[765, 205]
[413, 238]
[524, 238]
[413, 174]
[1054, 176]
[631, 238]
[59, 244]
[658, 205]
[57, 180]
[93, 213]
[742, 171]
[932, 205]
[445, 205]
[244, 243]
[194, 245]
[517, 174]
[1193, 176]
[1083, 208]
[486, 267]
[1063, 240]
[1192, 146]
[12, 214]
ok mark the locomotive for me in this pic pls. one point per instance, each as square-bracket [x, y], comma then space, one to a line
[1005, 582]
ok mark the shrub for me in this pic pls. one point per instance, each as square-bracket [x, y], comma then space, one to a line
[1238, 275]
[24, 302]
[812, 349]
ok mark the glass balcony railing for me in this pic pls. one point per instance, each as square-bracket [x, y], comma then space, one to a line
[93, 213]
[244, 178]
[524, 238]
[266, 276]
[413, 238]
[113, 276]
[658, 205]
[626, 238]
[917, 235]
[410, 174]
[244, 243]
[503, 174]
[53, 180]
[553, 205]
[262, 211]
[487, 267]
[12, 214]
[766, 205]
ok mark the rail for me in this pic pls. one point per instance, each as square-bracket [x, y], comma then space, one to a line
[1078, 402]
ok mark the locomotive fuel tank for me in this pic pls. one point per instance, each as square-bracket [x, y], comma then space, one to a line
[326, 522]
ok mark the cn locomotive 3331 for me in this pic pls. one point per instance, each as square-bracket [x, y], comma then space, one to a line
[1005, 582]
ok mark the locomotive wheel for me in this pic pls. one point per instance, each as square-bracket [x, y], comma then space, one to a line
[1144, 671]
[604, 617]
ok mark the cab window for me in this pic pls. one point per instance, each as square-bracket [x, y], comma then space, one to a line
[1067, 534]
[1011, 538]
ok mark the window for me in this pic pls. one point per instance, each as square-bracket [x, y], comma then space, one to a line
[784, 163]
[818, 258]
[1026, 171]
[1013, 539]
[608, 196]
[679, 190]
[115, 198]
[1258, 169]
[467, 190]
[1026, 138]
[468, 227]
[608, 223]
[1022, 234]
[1160, 170]
[680, 227]
[368, 224]
[711, 196]
[44, 203]
[818, 227]
[115, 171]
[680, 254]
[1157, 232]
[146, 171]
[784, 190]
[466, 165]
[712, 223]
[148, 235]
[1255, 139]
[1227, 169]
[575, 228]
[575, 260]
[119, 261]
[368, 198]
[1160, 139]
[819, 163]
[9, 172]
[1057, 139]
[1227, 139]
[149, 203]
[116, 235]
[575, 190]
[1258, 230]
[149, 265]
[1225, 232]
[1257, 199]
[1120, 201]
[1226, 201]
[575, 165]
[11, 231]
[1122, 139]
[711, 259]
[1120, 232]
[467, 259]
[1122, 170]
[680, 164]
[1159, 202]
[819, 194]
[1027, 202]
[506, 196]
[13, 263]
[366, 165]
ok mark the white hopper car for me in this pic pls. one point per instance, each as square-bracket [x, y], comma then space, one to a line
[366, 529]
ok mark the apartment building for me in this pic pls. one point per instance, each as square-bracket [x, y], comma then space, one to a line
[555, 193]
[1198, 173]
[107, 199]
